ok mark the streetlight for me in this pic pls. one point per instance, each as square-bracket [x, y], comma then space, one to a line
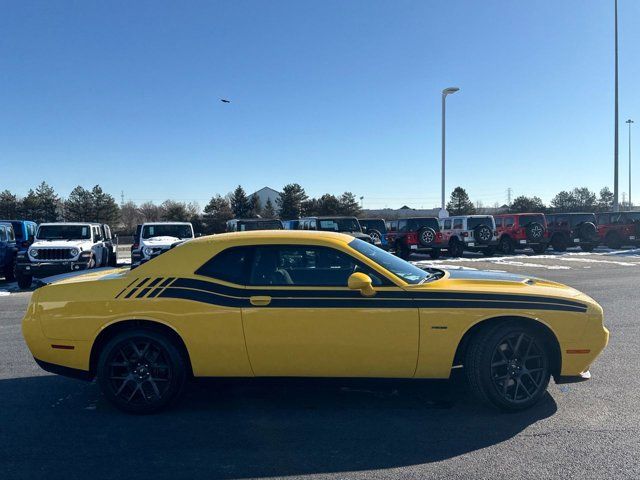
[629, 122]
[445, 92]
[616, 205]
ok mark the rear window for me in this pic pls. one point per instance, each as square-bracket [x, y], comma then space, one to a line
[418, 223]
[578, 219]
[474, 222]
[260, 225]
[231, 265]
[17, 228]
[525, 220]
[339, 225]
[373, 224]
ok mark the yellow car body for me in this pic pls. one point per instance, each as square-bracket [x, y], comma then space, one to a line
[398, 330]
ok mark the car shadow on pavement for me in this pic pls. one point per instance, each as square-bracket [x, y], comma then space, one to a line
[246, 428]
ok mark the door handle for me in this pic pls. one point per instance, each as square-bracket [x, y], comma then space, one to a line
[260, 301]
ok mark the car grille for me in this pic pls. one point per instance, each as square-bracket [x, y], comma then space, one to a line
[54, 254]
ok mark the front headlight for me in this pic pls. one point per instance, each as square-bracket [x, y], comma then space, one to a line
[148, 251]
[74, 252]
[33, 252]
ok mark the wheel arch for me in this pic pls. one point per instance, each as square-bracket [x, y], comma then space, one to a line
[115, 328]
[551, 339]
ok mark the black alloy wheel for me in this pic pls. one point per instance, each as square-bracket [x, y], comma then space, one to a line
[507, 246]
[141, 371]
[559, 243]
[508, 366]
[24, 281]
[375, 235]
[613, 240]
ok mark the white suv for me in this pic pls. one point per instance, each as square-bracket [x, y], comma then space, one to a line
[63, 247]
[476, 233]
[155, 238]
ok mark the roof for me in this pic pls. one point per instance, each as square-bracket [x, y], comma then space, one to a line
[285, 235]
[70, 223]
[166, 223]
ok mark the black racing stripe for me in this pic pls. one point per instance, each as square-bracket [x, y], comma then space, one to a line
[131, 293]
[154, 282]
[123, 290]
[143, 292]
[142, 282]
[167, 281]
[401, 294]
[155, 292]
[361, 302]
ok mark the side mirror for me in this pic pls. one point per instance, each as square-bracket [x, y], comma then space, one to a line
[362, 282]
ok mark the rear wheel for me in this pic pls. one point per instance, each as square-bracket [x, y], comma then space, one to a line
[489, 251]
[141, 371]
[559, 243]
[539, 249]
[456, 249]
[24, 281]
[402, 251]
[508, 365]
[435, 253]
[507, 246]
[613, 240]
[588, 247]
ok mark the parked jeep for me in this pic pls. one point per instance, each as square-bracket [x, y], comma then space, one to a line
[8, 251]
[618, 229]
[476, 233]
[248, 224]
[349, 225]
[62, 247]
[572, 229]
[155, 238]
[522, 230]
[415, 235]
[376, 228]
[25, 232]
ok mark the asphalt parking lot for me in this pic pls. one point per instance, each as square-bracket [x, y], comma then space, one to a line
[55, 427]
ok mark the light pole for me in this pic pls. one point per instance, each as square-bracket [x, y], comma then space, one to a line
[445, 92]
[616, 205]
[629, 122]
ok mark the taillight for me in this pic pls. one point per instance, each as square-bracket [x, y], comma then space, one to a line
[439, 236]
[412, 238]
[465, 234]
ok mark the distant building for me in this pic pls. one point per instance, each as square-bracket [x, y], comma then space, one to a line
[265, 194]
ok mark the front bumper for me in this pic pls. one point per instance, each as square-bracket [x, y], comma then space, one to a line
[46, 269]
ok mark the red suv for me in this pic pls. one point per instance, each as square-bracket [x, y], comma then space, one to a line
[522, 230]
[617, 229]
[413, 235]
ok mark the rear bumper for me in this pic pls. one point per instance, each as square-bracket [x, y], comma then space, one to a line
[64, 371]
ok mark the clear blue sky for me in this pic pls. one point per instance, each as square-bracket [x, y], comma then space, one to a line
[335, 95]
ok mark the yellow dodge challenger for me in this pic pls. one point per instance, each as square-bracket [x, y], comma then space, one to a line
[309, 304]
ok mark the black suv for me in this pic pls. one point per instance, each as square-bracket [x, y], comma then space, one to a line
[349, 225]
[572, 229]
[376, 228]
[250, 224]
[415, 235]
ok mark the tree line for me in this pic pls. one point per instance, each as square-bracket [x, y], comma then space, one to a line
[577, 200]
[43, 204]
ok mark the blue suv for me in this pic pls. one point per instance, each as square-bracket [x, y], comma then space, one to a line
[25, 232]
[8, 250]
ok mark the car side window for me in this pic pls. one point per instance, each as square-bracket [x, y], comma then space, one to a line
[306, 265]
[447, 224]
[11, 234]
[230, 265]
[457, 224]
[508, 222]
[392, 226]
[3, 234]
[402, 225]
[498, 222]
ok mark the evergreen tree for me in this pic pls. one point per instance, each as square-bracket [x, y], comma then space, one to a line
[216, 214]
[563, 202]
[255, 209]
[173, 211]
[150, 212]
[240, 203]
[268, 211]
[459, 204]
[79, 206]
[41, 205]
[105, 208]
[605, 201]
[130, 217]
[523, 204]
[349, 204]
[290, 201]
[328, 204]
[9, 205]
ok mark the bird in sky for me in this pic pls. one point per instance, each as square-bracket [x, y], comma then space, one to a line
[224, 100]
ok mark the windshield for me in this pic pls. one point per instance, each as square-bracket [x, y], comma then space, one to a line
[175, 230]
[404, 270]
[64, 232]
[373, 225]
[339, 225]
[473, 222]
[527, 219]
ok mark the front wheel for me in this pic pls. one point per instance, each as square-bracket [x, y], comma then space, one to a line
[24, 281]
[10, 272]
[508, 365]
[489, 251]
[141, 371]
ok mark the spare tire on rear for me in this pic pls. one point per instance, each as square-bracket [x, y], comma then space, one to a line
[375, 235]
[482, 234]
[588, 230]
[426, 236]
[535, 232]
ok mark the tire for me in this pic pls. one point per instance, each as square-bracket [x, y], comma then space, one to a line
[508, 365]
[9, 272]
[375, 235]
[92, 262]
[587, 248]
[426, 236]
[558, 243]
[489, 251]
[539, 249]
[535, 232]
[113, 259]
[24, 281]
[613, 241]
[482, 234]
[507, 246]
[135, 383]
[456, 249]
[435, 253]
[402, 251]
[588, 230]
